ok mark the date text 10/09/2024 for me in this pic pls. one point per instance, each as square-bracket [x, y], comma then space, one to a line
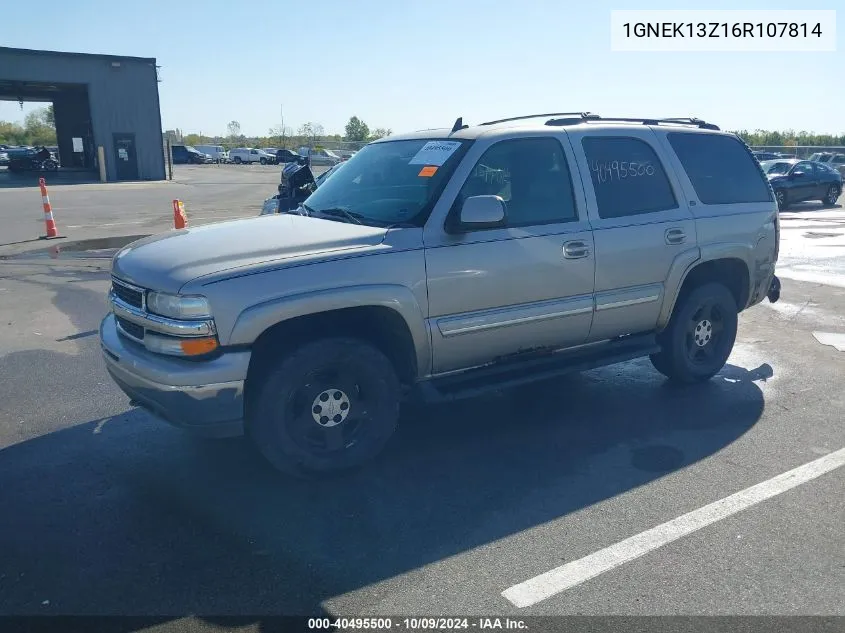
[722, 29]
[416, 624]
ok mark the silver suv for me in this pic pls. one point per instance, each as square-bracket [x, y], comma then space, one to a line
[446, 263]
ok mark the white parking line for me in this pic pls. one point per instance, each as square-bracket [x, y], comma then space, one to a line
[571, 574]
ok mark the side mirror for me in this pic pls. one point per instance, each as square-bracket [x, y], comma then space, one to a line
[482, 212]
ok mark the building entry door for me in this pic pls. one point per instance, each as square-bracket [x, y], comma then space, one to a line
[125, 157]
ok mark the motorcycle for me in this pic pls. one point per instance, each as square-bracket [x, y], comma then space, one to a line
[30, 161]
[297, 183]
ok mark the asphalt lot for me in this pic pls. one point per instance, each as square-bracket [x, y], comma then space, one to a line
[211, 193]
[106, 510]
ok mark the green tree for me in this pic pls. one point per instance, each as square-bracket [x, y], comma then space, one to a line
[234, 130]
[51, 116]
[357, 130]
[37, 128]
[311, 131]
[378, 133]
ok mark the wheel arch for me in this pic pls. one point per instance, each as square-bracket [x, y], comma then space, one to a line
[724, 263]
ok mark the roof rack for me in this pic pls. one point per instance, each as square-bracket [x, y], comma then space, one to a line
[594, 117]
[582, 115]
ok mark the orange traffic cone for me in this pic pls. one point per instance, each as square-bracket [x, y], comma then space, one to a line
[52, 231]
[180, 220]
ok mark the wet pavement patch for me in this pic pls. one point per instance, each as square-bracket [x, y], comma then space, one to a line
[98, 248]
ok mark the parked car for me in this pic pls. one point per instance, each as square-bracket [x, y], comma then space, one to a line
[284, 156]
[837, 161]
[821, 157]
[761, 156]
[796, 180]
[404, 273]
[320, 157]
[249, 155]
[217, 152]
[4, 157]
[188, 155]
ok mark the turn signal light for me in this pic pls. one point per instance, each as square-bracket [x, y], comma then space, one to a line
[198, 346]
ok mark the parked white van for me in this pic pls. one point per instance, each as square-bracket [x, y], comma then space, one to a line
[217, 152]
[250, 155]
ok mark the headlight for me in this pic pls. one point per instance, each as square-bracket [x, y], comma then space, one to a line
[178, 306]
[172, 346]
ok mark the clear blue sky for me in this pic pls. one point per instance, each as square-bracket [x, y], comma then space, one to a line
[410, 65]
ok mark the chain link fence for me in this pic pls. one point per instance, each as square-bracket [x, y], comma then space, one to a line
[799, 151]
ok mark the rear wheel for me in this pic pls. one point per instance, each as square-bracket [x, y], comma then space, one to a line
[780, 196]
[700, 335]
[832, 195]
[327, 406]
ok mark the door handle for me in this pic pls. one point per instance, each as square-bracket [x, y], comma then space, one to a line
[576, 249]
[675, 236]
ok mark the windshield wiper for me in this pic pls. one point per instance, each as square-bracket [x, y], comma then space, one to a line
[357, 218]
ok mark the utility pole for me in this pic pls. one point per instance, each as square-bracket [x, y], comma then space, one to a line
[282, 114]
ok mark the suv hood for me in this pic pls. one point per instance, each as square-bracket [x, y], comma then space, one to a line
[168, 261]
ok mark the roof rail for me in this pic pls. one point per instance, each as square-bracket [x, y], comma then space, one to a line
[583, 115]
[678, 121]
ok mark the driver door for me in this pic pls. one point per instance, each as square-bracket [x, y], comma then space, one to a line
[806, 183]
[520, 287]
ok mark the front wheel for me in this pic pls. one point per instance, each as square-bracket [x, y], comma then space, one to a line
[700, 335]
[832, 195]
[237, 160]
[328, 406]
[263, 161]
[780, 196]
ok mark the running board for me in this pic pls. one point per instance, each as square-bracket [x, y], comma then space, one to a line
[514, 372]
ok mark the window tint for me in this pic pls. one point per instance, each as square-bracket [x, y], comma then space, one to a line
[627, 176]
[804, 167]
[720, 168]
[531, 175]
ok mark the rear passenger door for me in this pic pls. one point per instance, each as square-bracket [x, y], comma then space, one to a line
[641, 226]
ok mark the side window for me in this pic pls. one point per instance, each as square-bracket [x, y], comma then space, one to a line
[253, 151]
[720, 168]
[531, 175]
[627, 176]
[804, 167]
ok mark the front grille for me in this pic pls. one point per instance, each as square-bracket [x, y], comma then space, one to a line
[128, 295]
[132, 329]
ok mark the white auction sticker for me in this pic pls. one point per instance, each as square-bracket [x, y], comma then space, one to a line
[435, 153]
[723, 30]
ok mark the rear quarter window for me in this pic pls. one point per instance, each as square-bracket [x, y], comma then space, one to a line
[720, 168]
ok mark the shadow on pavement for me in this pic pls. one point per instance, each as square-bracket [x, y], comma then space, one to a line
[16, 180]
[126, 515]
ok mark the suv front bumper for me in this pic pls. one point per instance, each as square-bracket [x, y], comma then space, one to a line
[204, 397]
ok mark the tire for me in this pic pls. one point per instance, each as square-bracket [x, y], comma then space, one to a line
[237, 160]
[700, 336]
[780, 196]
[284, 424]
[832, 195]
[263, 161]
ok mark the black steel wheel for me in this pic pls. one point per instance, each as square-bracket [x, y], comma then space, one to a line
[330, 405]
[700, 335]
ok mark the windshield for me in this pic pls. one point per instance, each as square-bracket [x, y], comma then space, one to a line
[775, 166]
[391, 182]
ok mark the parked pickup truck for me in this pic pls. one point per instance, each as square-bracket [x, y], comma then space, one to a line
[443, 264]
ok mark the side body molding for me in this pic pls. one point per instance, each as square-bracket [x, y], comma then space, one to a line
[254, 320]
